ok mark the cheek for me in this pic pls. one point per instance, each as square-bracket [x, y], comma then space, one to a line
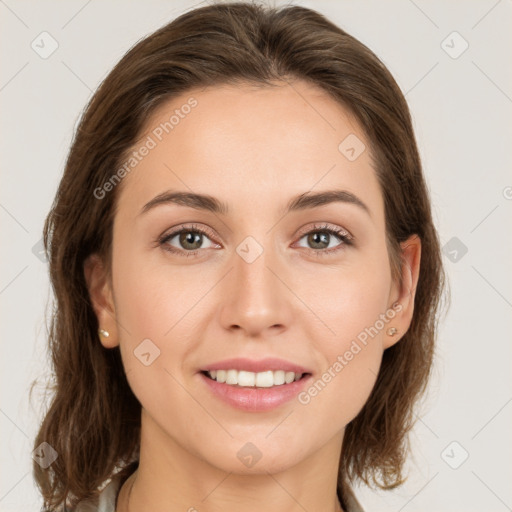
[351, 362]
[342, 389]
[348, 300]
[155, 299]
[159, 308]
[355, 312]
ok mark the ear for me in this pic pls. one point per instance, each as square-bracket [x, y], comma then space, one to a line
[402, 297]
[100, 293]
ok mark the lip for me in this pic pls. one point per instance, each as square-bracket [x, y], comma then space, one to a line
[250, 365]
[252, 399]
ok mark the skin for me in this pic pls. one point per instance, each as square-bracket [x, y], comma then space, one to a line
[254, 148]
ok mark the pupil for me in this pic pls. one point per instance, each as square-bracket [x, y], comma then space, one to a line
[189, 238]
[319, 238]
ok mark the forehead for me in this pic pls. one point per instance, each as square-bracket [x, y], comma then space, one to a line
[257, 141]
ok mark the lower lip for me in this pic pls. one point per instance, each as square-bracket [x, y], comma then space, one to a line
[255, 399]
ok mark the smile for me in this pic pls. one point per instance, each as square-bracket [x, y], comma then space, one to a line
[264, 395]
[243, 378]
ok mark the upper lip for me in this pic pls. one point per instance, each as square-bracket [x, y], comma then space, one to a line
[252, 365]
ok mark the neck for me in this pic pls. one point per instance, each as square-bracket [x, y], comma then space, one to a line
[169, 477]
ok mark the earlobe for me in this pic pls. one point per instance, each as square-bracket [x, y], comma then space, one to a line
[410, 270]
[101, 297]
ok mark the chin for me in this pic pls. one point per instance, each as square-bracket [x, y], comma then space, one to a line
[258, 457]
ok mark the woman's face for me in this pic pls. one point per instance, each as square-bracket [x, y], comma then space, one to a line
[310, 285]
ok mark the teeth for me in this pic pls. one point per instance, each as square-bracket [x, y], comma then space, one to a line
[250, 379]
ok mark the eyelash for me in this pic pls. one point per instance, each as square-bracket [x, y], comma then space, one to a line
[340, 233]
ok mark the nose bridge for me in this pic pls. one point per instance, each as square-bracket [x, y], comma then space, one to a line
[255, 283]
[257, 299]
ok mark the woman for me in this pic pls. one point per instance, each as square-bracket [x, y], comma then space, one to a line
[246, 274]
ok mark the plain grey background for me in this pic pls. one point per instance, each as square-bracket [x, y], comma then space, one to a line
[451, 60]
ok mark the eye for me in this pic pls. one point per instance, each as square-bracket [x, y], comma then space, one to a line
[187, 240]
[322, 239]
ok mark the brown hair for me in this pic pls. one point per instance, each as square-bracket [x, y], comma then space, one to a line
[93, 421]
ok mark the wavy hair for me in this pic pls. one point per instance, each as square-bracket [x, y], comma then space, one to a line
[93, 419]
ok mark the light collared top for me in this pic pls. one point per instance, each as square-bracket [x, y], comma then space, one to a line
[106, 500]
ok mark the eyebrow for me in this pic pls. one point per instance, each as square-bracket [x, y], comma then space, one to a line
[209, 203]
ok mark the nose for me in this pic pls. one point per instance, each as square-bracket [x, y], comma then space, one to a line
[256, 299]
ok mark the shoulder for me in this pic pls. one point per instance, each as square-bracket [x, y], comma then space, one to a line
[105, 501]
[351, 501]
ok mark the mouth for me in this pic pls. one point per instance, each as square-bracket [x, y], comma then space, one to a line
[247, 379]
[254, 392]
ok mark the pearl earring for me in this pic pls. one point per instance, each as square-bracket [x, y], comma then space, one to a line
[392, 331]
[103, 333]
